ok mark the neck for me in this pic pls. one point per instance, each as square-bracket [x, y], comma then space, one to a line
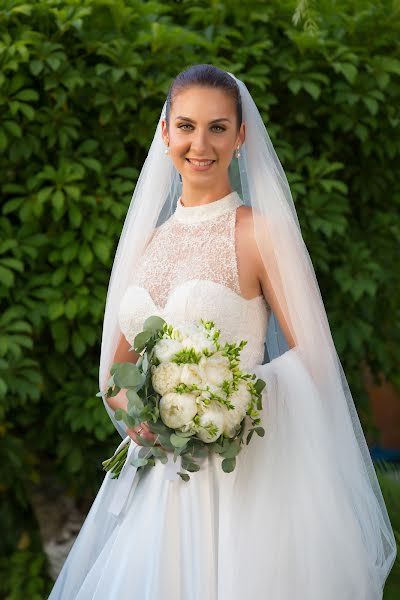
[195, 197]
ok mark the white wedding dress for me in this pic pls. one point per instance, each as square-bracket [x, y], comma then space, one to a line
[280, 526]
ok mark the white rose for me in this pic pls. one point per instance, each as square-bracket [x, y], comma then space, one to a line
[190, 374]
[212, 415]
[165, 377]
[233, 417]
[215, 369]
[177, 409]
[165, 349]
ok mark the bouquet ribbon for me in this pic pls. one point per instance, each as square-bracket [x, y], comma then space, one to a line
[128, 478]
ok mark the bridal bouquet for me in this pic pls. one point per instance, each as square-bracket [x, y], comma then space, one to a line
[191, 392]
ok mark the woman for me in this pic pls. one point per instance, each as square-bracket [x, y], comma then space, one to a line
[302, 515]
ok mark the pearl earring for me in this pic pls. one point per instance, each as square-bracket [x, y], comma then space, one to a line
[237, 152]
[166, 151]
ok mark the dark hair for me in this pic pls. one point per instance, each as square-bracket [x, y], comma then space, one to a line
[206, 76]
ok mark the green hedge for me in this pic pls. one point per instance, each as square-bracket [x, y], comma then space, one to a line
[82, 83]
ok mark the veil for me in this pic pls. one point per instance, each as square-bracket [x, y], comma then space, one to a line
[313, 460]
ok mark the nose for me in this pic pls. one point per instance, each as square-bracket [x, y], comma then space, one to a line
[199, 141]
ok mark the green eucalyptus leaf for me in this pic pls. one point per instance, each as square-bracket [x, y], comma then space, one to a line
[192, 467]
[230, 452]
[153, 324]
[135, 403]
[127, 375]
[141, 340]
[177, 441]
[138, 462]
[228, 464]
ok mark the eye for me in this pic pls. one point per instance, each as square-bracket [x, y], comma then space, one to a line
[214, 127]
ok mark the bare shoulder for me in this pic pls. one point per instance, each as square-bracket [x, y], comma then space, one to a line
[246, 215]
[245, 232]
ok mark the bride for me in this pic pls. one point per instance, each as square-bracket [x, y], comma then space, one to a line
[212, 233]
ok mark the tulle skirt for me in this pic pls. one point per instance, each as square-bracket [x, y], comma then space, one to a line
[281, 526]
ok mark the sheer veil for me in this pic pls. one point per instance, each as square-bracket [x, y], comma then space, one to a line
[313, 466]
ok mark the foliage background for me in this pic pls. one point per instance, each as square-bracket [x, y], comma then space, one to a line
[82, 83]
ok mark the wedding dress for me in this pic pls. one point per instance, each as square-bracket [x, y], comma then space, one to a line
[280, 526]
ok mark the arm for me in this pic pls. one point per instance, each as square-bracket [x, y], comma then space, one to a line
[120, 400]
[270, 296]
[263, 274]
[122, 354]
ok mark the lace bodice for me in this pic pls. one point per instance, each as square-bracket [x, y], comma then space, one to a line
[189, 271]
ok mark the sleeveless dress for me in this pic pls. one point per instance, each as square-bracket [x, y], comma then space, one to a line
[151, 535]
[284, 524]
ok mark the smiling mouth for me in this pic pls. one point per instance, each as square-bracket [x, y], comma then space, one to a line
[200, 163]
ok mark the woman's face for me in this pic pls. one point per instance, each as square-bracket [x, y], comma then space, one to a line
[203, 127]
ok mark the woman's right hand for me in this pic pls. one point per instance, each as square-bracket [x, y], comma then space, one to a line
[144, 432]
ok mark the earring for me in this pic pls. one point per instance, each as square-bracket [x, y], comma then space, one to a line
[237, 152]
[166, 151]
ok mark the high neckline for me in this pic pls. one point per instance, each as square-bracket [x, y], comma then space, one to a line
[204, 212]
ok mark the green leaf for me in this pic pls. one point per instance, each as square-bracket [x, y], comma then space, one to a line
[141, 340]
[249, 436]
[127, 375]
[119, 414]
[57, 200]
[159, 452]
[294, 86]
[228, 464]
[192, 467]
[138, 462]
[177, 441]
[85, 256]
[135, 403]
[349, 71]
[55, 310]
[6, 277]
[313, 89]
[259, 385]
[27, 95]
[102, 250]
[371, 104]
[153, 324]
[230, 449]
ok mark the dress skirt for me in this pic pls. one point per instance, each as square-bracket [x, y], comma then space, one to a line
[285, 524]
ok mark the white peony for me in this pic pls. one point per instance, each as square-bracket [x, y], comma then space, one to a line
[212, 389]
[211, 415]
[165, 377]
[185, 330]
[199, 342]
[233, 417]
[165, 349]
[190, 374]
[215, 369]
[194, 336]
[177, 409]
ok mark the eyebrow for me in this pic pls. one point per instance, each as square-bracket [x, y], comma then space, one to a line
[213, 121]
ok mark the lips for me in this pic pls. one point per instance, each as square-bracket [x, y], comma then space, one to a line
[200, 163]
